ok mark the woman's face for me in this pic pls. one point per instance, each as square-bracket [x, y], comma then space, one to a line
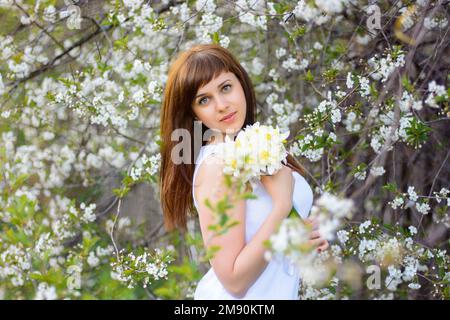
[221, 104]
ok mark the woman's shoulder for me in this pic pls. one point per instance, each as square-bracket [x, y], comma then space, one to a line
[208, 177]
[207, 151]
[209, 165]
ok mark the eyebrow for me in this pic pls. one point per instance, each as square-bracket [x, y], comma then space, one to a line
[204, 94]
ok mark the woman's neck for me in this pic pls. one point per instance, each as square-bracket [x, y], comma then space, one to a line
[219, 139]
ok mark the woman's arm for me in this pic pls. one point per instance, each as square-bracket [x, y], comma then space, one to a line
[236, 264]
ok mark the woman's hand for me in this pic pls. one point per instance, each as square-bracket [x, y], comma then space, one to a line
[280, 187]
[315, 239]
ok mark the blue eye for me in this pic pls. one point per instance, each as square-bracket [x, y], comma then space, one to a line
[202, 99]
[227, 86]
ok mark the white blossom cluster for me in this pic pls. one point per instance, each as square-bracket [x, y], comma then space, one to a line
[284, 113]
[382, 68]
[308, 145]
[408, 103]
[330, 210]
[442, 195]
[435, 91]
[145, 165]
[293, 234]
[360, 172]
[364, 86]
[16, 263]
[377, 171]
[319, 11]
[210, 22]
[45, 292]
[257, 150]
[395, 256]
[309, 292]
[411, 198]
[252, 13]
[123, 225]
[394, 130]
[88, 212]
[146, 267]
[291, 239]
[94, 257]
[400, 258]
[182, 11]
[432, 23]
[291, 64]
[81, 117]
[350, 122]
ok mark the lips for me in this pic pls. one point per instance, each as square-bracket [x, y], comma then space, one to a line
[228, 116]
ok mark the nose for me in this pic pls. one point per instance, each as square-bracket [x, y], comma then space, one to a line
[222, 103]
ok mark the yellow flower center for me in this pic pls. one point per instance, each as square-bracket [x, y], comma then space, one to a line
[264, 155]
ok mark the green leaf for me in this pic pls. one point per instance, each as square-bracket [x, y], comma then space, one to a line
[249, 195]
[215, 38]
[407, 84]
[417, 133]
[122, 192]
[211, 251]
[330, 74]
[392, 187]
[300, 31]
[121, 43]
[309, 77]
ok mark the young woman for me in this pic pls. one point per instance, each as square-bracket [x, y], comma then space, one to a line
[207, 84]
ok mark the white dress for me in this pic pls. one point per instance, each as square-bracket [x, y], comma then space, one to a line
[279, 280]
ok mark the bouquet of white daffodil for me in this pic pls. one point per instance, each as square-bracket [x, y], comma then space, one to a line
[257, 150]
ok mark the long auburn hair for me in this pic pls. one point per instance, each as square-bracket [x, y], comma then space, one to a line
[191, 70]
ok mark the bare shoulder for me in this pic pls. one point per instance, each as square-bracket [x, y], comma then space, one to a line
[211, 169]
[211, 185]
[210, 180]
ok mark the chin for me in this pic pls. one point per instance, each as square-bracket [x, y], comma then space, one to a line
[232, 130]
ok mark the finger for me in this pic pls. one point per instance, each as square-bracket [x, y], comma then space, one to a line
[324, 246]
[315, 242]
[312, 222]
[314, 235]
